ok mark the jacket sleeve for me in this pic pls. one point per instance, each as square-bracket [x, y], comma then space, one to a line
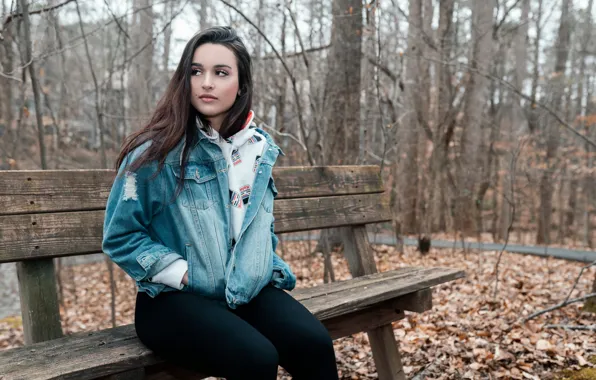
[282, 278]
[134, 199]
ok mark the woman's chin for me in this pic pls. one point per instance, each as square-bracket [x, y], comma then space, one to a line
[209, 113]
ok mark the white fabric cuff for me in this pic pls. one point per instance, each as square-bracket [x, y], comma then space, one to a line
[172, 274]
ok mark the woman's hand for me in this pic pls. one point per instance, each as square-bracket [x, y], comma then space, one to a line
[185, 278]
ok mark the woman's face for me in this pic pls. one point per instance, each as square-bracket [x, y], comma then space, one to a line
[214, 82]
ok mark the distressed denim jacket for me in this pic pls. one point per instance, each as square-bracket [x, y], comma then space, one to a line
[147, 227]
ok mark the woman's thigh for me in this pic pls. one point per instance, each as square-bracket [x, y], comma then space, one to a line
[303, 343]
[200, 334]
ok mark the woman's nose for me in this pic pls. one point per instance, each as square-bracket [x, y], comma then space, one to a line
[207, 82]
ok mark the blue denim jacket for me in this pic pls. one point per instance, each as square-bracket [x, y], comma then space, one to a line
[147, 227]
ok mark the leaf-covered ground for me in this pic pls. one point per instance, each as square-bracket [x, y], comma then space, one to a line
[468, 334]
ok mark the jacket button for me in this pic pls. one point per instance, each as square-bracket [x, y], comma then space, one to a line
[234, 268]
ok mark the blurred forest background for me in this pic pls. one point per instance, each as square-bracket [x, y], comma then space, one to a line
[481, 114]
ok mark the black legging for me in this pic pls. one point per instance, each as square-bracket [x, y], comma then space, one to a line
[247, 343]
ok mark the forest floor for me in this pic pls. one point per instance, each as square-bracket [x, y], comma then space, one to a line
[469, 334]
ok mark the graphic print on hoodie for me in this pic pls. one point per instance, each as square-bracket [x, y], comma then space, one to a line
[242, 152]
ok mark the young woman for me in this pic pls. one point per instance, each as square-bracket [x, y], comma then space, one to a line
[190, 219]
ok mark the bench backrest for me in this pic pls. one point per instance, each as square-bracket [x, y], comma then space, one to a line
[54, 213]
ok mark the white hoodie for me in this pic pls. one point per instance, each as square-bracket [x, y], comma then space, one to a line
[242, 152]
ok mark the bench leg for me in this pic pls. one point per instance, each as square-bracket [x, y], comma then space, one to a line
[385, 353]
[361, 261]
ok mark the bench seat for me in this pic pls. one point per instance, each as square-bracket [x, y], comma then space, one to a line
[345, 308]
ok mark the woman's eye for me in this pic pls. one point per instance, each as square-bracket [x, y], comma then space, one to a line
[221, 73]
[195, 72]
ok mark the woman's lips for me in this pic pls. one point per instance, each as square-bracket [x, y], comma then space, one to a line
[207, 98]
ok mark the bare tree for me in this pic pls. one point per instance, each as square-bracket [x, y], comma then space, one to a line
[34, 82]
[141, 69]
[476, 99]
[408, 135]
[342, 95]
[551, 130]
[517, 119]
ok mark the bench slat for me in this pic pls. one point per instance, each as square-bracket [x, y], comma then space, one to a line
[34, 191]
[35, 236]
[90, 355]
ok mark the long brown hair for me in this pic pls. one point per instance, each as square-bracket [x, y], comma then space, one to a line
[175, 117]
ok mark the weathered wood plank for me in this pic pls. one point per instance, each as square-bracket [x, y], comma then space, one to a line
[34, 236]
[39, 301]
[361, 320]
[321, 181]
[34, 191]
[361, 262]
[103, 353]
[135, 374]
[418, 302]
[31, 191]
[292, 215]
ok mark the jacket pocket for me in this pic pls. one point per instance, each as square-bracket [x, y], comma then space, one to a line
[200, 272]
[200, 185]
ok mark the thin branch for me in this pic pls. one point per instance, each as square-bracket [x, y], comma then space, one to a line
[115, 19]
[313, 107]
[289, 135]
[385, 162]
[519, 93]
[12, 16]
[425, 37]
[558, 306]
[512, 166]
[98, 110]
[507, 11]
[7, 76]
[295, 54]
[283, 62]
[386, 70]
[71, 43]
[568, 327]
[581, 272]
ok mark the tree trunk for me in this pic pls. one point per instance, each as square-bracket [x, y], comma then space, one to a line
[476, 99]
[343, 84]
[141, 66]
[426, 118]
[582, 111]
[445, 118]
[342, 101]
[552, 129]
[34, 83]
[518, 121]
[408, 136]
[7, 85]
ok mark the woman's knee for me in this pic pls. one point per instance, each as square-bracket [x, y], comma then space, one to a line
[321, 344]
[259, 362]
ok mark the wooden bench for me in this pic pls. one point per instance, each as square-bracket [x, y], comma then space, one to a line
[48, 214]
